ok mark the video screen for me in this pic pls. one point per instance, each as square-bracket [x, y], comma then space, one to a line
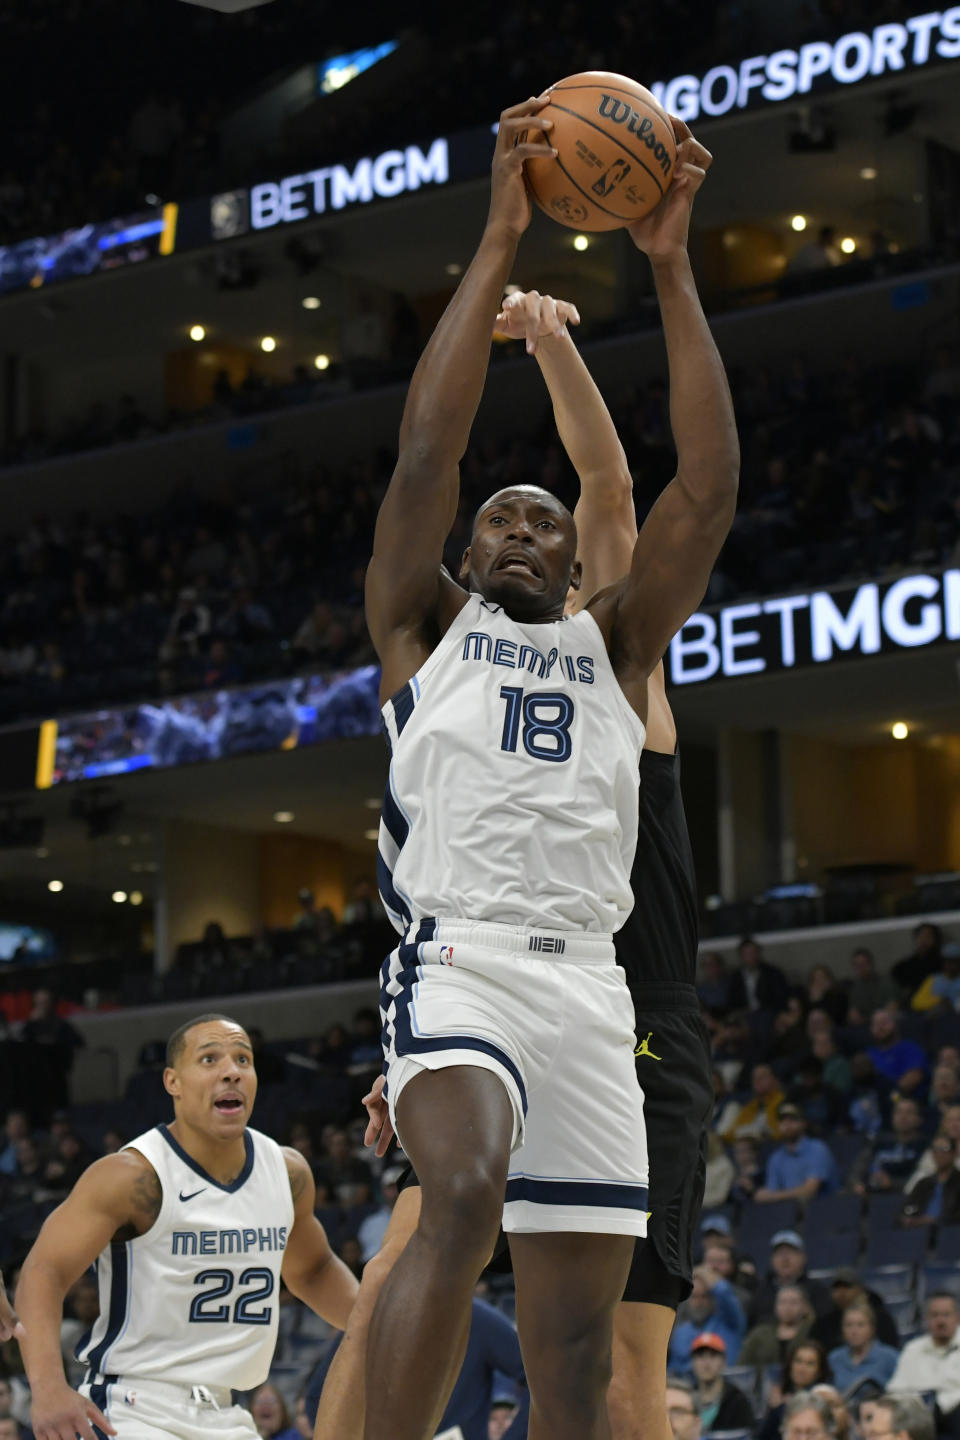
[276, 715]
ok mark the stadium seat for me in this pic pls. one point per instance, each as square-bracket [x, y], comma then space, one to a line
[939, 1277]
[883, 1211]
[903, 1313]
[897, 1247]
[892, 1280]
[830, 1215]
[826, 1250]
[845, 1149]
[947, 1247]
[759, 1223]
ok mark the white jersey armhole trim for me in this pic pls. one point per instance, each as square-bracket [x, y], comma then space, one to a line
[447, 642]
[633, 720]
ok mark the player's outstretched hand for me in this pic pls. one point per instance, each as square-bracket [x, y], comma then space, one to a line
[10, 1327]
[529, 315]
[59, 1413]
[379, 1131]
[510, 204]
[664, 231]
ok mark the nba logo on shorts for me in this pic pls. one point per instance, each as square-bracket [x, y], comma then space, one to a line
[446, 954]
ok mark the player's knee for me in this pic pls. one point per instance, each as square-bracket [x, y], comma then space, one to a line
[573, 1376]
[465, 1208]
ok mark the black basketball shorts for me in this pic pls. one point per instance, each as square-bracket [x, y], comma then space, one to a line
[676, 1076]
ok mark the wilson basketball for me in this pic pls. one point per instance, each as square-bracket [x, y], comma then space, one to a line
[616, 152]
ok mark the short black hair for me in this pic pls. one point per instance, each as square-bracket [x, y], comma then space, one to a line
[179, 1037]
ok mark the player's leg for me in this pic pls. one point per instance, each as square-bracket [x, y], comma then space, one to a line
[568, 1289]
[342, 1408]
[636, 1400]
[457, 1126]
[675, 1073]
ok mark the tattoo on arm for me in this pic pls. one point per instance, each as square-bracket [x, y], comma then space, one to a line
[146, 1202]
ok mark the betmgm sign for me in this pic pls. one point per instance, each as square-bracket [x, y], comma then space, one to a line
[824, 626]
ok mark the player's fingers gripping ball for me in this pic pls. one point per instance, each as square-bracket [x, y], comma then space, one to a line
[616, 152]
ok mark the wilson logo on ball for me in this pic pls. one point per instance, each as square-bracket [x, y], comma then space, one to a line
[610, 108]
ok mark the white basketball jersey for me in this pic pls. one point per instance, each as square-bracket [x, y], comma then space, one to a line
[513, 789]
[196, 1299]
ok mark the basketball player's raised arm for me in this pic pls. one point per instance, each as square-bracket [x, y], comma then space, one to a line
[119, 1195]
[404, 588]
[605, 516]
[683, 534]
[311, 1270]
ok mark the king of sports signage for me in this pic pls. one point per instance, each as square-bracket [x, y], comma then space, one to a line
[817, 628]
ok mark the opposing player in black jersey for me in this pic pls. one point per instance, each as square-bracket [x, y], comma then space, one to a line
[657, 947]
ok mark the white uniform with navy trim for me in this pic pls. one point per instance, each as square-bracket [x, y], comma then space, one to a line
[189, 1310]
[507, 837]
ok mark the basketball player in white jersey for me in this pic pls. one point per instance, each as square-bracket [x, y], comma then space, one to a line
[507, 838]
[192, 1225]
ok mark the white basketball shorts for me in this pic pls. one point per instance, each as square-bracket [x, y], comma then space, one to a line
[551, 1015]
[148, 1409]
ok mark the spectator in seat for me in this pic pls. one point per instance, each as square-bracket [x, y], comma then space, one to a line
[722, 1405]
[683, 1410]
[923, 960]
[846, 1287]
[715, 985]
[944, 1089]
[822, 1107]
[759, 1117]
[770, 1342]
[808, 1417]
[942, 988]
[720, 1173]
[788, 1266]
[270, 1414]
[867, 991]
[835, 1068]
[16, 1127]
[894, 1155]
[60, 1040]
[935, 1200]
[757, 985]
[897, 1417]
[344, 1175]
[865, 1111]
[713, 1306]
[900, 1064]
[806, 1367]
[861, 1356]
[374, 1227]
[841, 1413]
[748, 1171]
[823, 993]
[949, 1125]
[189, 627]
[800, 1167]
[932, 1362]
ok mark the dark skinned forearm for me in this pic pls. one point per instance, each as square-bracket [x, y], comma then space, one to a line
[448, 382]
[701, 410]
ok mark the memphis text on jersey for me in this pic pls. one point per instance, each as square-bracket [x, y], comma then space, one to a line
[228, 1242]
[512, 655]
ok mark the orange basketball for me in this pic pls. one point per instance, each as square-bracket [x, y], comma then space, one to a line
[616, 152]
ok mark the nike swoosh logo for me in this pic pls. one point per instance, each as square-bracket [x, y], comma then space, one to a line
[192, 1193]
